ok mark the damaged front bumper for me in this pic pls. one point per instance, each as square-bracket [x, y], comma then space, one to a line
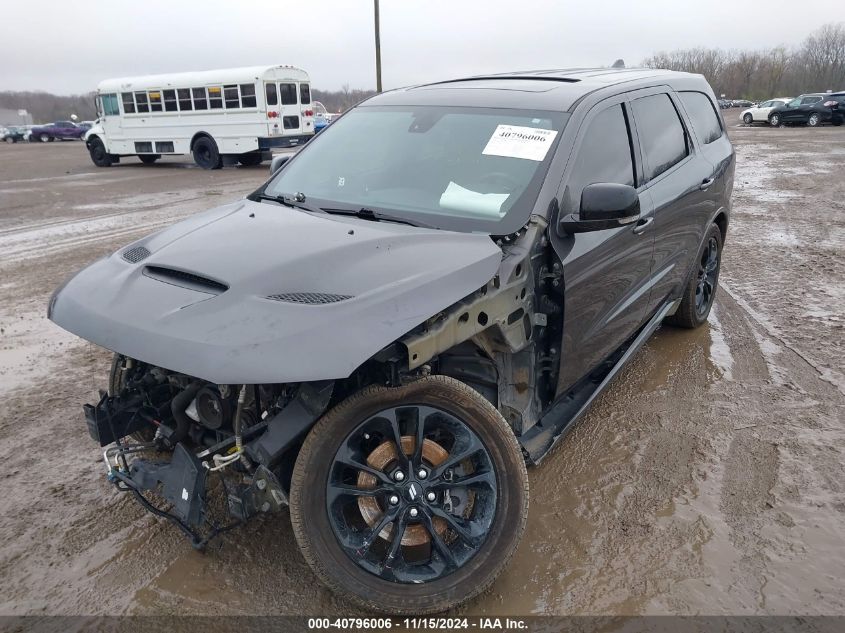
[182, 480]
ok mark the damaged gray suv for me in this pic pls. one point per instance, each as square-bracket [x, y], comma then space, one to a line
[418, 304]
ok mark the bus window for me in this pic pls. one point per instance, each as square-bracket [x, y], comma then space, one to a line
[230, 93]
[272, 98]
[155, 101]
[128, 103]
[185, 99]
[215, 97]
[110, 107]
[247, 95]
[141, 102]
[200, 100]
[288, 94]
[304, 94]
[169, 100]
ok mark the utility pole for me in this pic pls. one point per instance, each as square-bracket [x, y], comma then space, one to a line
[378, 48]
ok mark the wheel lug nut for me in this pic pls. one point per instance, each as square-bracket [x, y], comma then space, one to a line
[399, 475]
[413, 512]
[431, 496]
[422, 474]
[393, 500]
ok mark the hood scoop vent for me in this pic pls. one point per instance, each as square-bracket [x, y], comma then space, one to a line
[309, 298]
[135, 255]
[185, 279]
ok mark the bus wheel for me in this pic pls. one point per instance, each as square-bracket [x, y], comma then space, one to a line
[99, 155]
[250, 160]
[148, 159]
[206, 154]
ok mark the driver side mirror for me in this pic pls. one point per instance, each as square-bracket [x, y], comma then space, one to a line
[604, 205]
[278, 162]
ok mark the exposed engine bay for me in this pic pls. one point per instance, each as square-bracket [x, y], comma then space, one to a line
[168, 434]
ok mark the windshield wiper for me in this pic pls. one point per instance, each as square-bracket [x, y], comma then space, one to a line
[290, 202]
[298, 202]
[368, 214]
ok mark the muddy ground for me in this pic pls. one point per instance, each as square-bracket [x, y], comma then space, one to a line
[709, 479]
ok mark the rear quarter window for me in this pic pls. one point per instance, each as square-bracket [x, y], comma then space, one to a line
[704, 119]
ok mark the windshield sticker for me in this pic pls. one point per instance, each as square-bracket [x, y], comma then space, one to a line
[514, 141]
[457, 198]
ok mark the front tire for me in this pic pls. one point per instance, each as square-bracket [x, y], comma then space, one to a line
[701, 288]
[206, 154]
[461, 502]
[44, 138]
[774, 120]
[99, 156]
[747, 118]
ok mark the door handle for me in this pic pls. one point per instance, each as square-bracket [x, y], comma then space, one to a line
[705, 184]
[642, 225]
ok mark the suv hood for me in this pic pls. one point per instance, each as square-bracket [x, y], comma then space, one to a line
[260, 293]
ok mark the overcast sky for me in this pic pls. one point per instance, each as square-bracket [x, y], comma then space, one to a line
[70, 47]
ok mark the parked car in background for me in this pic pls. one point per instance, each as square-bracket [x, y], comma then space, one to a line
[809, 109]
[724, 104]
[836, 102]
[59, 130]
[742, 103]
[761, 111]
[13, 134]
[321, 117]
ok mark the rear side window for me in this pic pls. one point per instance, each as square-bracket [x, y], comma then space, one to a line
[603, 156]
[705, 122]
[247, 95]
[810, 100]
[661, 133]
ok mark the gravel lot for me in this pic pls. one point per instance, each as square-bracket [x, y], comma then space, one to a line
[709, 479]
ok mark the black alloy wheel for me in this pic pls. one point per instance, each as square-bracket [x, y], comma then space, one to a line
[698, 295]
[410, 499]
[708, 273]
[411, 492]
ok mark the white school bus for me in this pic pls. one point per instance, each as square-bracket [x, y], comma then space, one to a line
[219, 116]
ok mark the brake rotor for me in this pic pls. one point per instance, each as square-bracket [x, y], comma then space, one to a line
[383, 455]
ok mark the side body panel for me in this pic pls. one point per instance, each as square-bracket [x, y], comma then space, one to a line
[605, 274]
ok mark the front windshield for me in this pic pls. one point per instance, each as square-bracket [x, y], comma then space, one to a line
[458, 168]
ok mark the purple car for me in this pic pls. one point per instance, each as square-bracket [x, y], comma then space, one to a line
[57, 130]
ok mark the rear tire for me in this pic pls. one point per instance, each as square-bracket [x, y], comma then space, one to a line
[250, 160]
[814, 120]
[206, 154]
[747, 118]
[99, 156]
[148, 159]
[10, 140]
[452, 568]
[701, 288]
